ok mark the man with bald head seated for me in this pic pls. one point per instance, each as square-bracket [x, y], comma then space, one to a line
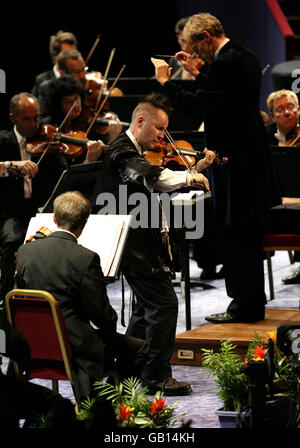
[20, 196]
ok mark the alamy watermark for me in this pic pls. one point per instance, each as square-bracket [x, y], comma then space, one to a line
[296, 84]
[2, 81]
[2, 341]
[146, 211]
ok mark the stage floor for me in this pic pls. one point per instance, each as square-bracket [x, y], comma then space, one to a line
[188, 345]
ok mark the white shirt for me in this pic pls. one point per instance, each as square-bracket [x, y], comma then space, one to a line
[67, 231]
[168, 180]
[24, 156]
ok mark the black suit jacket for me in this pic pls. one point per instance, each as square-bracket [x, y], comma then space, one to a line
[74, 276]
[12, 188]
[45, 76]
[124, 167]
[228, 97]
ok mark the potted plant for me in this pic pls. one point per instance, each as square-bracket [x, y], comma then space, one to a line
[132, 406]
[233, 379]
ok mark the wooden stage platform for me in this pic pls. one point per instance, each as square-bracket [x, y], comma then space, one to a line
[188, 345]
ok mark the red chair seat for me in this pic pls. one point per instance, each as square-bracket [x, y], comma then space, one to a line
[282, 240]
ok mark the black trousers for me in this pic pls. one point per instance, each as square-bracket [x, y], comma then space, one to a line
[121, 352]
[12, 234]
[244, 270]
[154, 318]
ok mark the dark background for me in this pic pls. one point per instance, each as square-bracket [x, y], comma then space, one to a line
[136, 29]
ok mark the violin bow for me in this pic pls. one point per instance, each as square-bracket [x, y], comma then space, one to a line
[105, 99]
[92, 49]
[105, 76]
[178, 151]
[55, 134]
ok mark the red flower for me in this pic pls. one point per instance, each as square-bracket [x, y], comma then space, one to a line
[259, 353]
[157, 405]
[125, 412]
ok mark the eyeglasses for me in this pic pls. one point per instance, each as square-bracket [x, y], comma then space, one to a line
[281, 109]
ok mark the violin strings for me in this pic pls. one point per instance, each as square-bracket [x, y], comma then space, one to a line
[55, 134]
[171, 140]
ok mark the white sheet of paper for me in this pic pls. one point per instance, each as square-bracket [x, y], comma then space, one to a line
[104, 234]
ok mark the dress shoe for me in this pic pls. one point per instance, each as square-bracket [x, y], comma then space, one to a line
[227, 318]
[294, 279]
[169, 387]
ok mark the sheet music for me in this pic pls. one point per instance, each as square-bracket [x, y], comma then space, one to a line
[104, 234]
[189, 198]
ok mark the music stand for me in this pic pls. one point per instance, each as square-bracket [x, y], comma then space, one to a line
[85, 177]
[287, 165]
[185, 281]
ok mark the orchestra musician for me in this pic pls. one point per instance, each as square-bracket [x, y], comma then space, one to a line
[179, 71]
[146, 262]
[284, 109]
[245, 187]
[60, 41]
[21, 196]
[63, 93]
[71, 62]
[73, 274]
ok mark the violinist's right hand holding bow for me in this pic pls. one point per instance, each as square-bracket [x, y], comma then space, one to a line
[24, 167]
[197, 180]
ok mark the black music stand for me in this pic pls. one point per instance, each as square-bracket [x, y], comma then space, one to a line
[85, 177]
[287, 166]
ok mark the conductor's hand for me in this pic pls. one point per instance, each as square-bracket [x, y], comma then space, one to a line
[189, 63]
[162, 70]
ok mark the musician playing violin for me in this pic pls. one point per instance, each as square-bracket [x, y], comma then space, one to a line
[70, 62]
[20, 197]
[66, 93]
[60, 41]
[284, 109]
[146, 262]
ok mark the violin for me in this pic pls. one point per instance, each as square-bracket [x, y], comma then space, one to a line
[70, 144]
[164, 154]
[294, 137]
[41, 233]
[87, 115]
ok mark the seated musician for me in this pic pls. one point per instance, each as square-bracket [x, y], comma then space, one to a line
[63, 93]
[21, 196]
[284, 110]
[73, 274]
[60, 41]
[70, 62]
[146, 262]
[178, 71]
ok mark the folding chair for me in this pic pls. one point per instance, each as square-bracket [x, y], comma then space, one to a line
[37, 315]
